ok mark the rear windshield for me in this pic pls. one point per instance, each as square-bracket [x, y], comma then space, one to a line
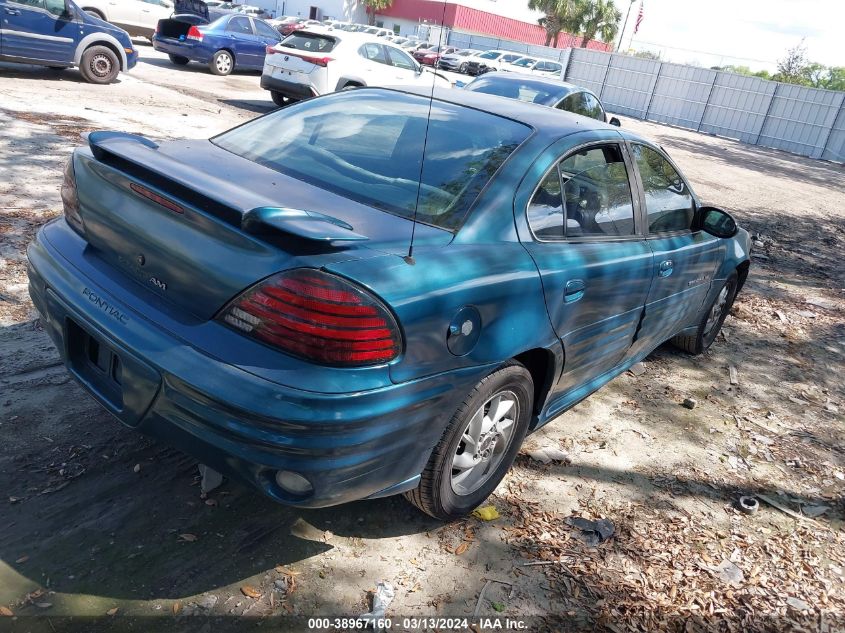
[367, 145]
[527, 90]
[309, 42]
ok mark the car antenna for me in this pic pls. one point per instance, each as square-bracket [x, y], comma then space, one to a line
[409, 258]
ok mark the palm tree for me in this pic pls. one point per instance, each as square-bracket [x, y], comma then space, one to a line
[560, 16]
[598, 16]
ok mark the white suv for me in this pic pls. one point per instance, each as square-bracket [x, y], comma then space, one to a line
[309, 63]
[534, 66]
[490, 60]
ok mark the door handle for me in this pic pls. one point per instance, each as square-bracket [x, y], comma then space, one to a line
[573, 290]
[12, 11]
[666, 267]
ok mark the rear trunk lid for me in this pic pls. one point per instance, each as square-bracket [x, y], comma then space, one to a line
[194, 7]
[196, 225]
[172, 28]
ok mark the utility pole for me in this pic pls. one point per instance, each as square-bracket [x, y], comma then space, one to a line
[625, 25]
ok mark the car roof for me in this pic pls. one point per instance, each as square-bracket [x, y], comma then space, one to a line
[547, 121]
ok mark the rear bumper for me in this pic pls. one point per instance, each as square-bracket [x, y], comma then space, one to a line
[349, 446]
[172, 46]
[291, 89]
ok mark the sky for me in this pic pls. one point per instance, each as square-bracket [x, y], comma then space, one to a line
[754, 33]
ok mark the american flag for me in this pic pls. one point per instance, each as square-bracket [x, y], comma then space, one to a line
[639, 19]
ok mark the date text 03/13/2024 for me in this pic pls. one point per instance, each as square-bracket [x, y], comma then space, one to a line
[417, 623]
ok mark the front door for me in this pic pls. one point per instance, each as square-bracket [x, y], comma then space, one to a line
[685, 260]
[593, 260]
[38, 30]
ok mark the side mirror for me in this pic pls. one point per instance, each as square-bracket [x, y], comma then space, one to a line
[717, 222]
[615, 121]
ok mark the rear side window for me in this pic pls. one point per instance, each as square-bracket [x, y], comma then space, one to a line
[668, 200]
[309, 42]
[589, 195]
[582, 103]
[367, 145]
[239, 25]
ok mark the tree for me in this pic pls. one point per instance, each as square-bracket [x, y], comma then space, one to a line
[560, 16]
[791, 68]
[648, 55]
[374, 6]
[598, 16]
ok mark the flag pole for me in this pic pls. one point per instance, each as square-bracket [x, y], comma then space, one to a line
[625, 25]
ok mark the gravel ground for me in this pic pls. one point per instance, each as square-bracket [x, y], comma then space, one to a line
[100, 521]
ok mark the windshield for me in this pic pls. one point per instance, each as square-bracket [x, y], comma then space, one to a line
[367, 145]
[525, 61]
[489, 55]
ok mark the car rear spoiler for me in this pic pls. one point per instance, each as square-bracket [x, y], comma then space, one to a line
[139, 158]
[194, 7]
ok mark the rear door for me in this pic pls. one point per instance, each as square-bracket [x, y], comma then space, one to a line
[38, 30]
[595, 265]
[684, 259]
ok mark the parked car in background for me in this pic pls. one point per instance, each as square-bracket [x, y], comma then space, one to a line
[543, 91]
[311, 63]
[430, 56]
[534, 66]
[256, 12]
[413, 45]
[59, 34]
[489, 60]
[234, 41]
[456, 61]
[251, 299]
[136, 17]
[377, 31]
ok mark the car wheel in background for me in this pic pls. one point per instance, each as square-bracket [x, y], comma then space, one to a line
[463, 68]
[222, 63]
[95, 14]
[99, 65]
[712, 320]
[279, 99]
[179, 60]
[479, 445]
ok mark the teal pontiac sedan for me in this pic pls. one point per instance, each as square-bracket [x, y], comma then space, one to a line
[375, 292]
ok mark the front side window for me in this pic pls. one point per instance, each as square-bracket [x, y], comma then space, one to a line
[56, 7]
[38, 4]
[239, 25]
[592, 197]
[668, 200]
[373, 52]
[367, 145]
[400, 59]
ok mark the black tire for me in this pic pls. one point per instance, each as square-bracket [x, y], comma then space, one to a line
[99, 65]
[279, 99]
[219, 64]
[708, 330]
[95, 14]
[435, 494]
[179, 60]
[463, 68]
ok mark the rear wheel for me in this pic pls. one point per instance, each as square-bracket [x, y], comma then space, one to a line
[463, 68]
[711, 322]
[279, 99]
[179, 60]
[222, 63]
[99, 65]
[479, 445]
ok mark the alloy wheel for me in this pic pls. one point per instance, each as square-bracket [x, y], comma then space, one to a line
[223, 63]
[484, 442]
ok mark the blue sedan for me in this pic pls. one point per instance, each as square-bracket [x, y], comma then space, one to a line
[234, 41]
[331, 303]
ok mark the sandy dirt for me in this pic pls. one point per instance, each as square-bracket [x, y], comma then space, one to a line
[96, 519]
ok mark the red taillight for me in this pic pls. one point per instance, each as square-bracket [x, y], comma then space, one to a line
[319, 317]
[152, 195]
[319, 61]
[70, 199]
[194, 34]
